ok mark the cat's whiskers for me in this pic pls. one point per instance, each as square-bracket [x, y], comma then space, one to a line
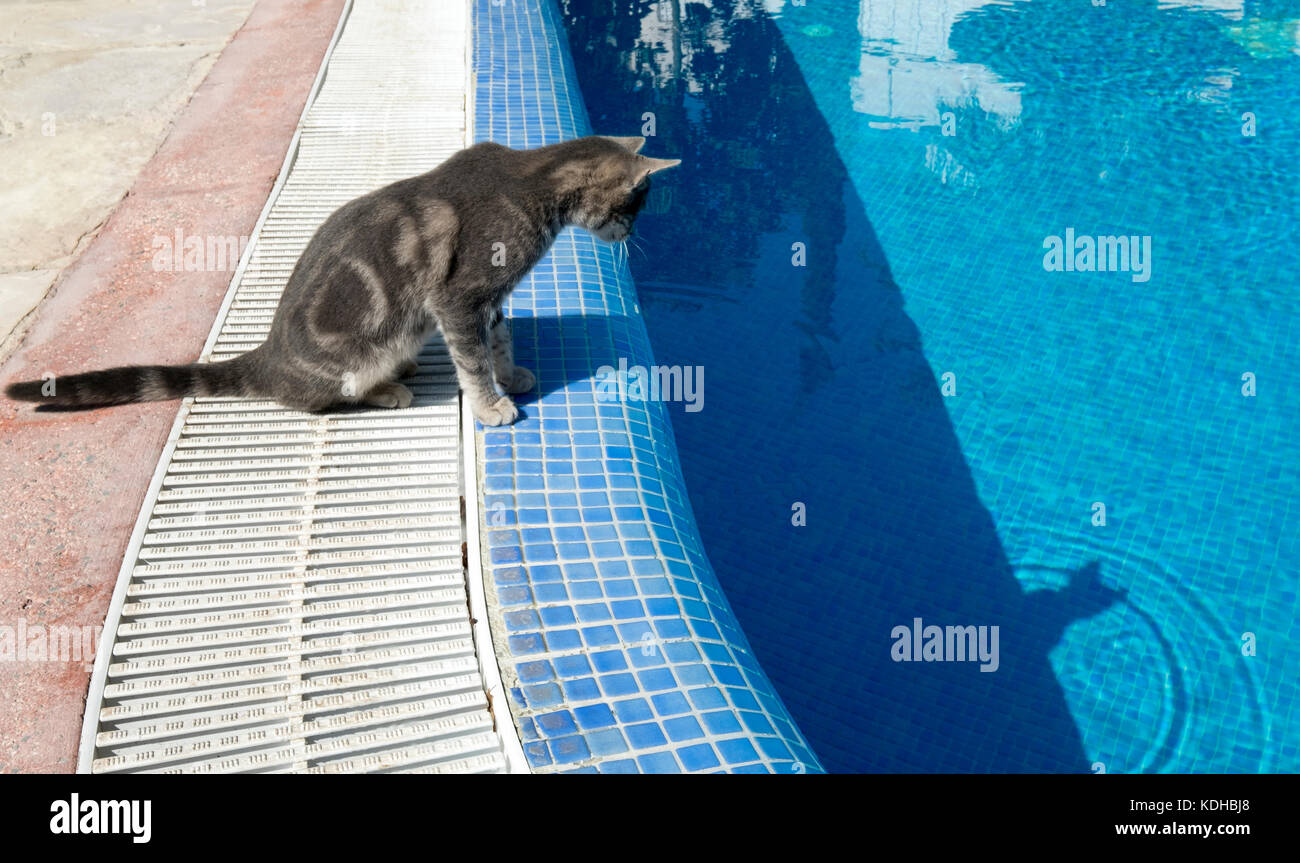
[637, 247]
[628, 245]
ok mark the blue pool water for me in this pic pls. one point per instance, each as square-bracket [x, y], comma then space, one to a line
[922, 151]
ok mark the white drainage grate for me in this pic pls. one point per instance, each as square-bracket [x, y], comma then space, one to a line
[294, 597]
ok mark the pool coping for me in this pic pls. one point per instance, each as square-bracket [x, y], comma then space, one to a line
[575, 719]
[475, 585]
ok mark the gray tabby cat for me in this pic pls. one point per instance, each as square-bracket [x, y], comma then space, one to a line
[437, 251]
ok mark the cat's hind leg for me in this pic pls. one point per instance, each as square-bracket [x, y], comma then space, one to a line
[389, 394]
[408, 369]
[513, 378]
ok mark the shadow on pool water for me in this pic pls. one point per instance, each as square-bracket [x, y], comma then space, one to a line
[894, 527]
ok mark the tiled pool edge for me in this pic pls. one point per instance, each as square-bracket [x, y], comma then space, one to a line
[617, 646]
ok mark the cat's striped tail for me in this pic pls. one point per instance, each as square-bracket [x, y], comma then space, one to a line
[127, 384]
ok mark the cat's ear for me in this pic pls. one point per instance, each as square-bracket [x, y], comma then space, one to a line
[632, 145]
[648, 165]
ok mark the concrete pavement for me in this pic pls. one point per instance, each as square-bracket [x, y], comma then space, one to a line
[88, 91]
[73, 482]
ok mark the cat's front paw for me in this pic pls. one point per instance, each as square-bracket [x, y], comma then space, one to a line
[521, 381]
[496, 413]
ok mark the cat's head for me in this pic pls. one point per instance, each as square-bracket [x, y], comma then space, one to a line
[615, 180]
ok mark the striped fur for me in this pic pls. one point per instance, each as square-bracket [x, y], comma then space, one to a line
[127, 384]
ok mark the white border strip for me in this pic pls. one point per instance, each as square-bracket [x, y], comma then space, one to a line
[98, 677]
[498, 700]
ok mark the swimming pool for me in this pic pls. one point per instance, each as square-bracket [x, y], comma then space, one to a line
[914, 410]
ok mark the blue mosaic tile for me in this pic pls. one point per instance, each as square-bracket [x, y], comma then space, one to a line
[670, 703]
[633, 710]
[567, 750]
[683, 728]
[646, 735]
[701, 757]
[658, 762]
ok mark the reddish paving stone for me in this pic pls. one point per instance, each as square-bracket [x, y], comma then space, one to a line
[73, 483]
